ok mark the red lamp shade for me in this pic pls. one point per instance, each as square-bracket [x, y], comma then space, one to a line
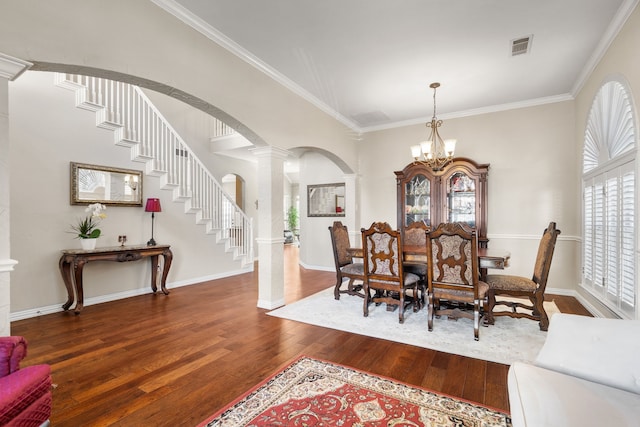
[153, 205]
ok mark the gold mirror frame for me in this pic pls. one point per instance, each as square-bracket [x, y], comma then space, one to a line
[106, 185]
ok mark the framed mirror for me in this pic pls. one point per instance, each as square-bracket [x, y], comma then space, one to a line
[325, 200]
[106, 185]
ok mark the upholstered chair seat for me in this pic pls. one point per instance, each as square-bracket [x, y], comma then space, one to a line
[409, 279]
[501, 282]
[461, 295]
[354, 269]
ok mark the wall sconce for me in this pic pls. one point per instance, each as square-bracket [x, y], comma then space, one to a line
[131, 181]
[153, 206]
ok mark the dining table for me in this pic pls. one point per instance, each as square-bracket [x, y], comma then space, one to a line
[487, 258]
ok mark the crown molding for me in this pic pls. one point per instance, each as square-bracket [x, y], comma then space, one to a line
[11, 68]
[623, 13]
[476, 111]
[183, 14]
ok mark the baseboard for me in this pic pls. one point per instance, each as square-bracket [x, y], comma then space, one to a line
[41, 311]
[270, 305]
[316, 267]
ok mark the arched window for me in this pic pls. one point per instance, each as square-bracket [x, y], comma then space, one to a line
[609, 200]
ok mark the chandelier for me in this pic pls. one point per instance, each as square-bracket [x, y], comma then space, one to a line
[435, 152]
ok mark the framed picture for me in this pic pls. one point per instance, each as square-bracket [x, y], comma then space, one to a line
[325, 200]
[106, 185]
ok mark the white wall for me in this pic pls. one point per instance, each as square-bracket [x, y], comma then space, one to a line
[47, 131]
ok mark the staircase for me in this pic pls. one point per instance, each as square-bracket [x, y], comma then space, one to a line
[138, 125]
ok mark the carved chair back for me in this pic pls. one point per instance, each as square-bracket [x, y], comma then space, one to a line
[382, 248]
[415, 234]
[452, 259]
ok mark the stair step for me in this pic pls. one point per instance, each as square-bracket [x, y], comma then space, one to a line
[108, 120]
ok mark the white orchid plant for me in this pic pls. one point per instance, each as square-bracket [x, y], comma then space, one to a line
[87, 226]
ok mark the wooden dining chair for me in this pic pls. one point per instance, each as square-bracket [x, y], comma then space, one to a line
[453, 275]
[345, 267]
[519, 287]
[383, 270]
[415, 236]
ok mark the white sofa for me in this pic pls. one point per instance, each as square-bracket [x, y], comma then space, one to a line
[587, 374]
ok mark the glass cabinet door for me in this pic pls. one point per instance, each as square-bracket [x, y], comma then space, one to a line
[456, 193]
[461, 199]
[417, 204]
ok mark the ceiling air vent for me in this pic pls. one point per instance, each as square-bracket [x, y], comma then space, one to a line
[521, 45]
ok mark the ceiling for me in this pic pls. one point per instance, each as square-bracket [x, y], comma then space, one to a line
[369, 63]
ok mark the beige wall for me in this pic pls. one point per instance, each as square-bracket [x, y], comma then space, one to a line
[315, 243]
[532, 179]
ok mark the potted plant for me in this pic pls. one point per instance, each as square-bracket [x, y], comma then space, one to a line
[87, 228]
[292, 224]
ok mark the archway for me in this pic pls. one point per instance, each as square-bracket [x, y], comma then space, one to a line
[233, 185]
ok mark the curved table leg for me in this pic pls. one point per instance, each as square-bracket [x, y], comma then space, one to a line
[78, 266]
[168, 257]
[154, 273]
[65, 271]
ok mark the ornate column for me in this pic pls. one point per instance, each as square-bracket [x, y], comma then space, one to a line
[270, 226]
[10, 69]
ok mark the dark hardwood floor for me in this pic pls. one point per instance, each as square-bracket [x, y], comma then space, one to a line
[154, 360]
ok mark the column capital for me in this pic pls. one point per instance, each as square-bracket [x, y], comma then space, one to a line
[270, 152]
[11, 68]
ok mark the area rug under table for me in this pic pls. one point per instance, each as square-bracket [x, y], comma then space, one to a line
[507, 341]
[311, 392]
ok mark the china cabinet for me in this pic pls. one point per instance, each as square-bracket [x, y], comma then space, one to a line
[457, 193]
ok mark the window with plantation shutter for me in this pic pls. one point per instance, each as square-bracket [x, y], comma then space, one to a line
[609, 201]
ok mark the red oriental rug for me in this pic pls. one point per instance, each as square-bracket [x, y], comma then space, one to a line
[311, 392]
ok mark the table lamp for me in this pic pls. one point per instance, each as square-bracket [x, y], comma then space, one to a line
[153, 206]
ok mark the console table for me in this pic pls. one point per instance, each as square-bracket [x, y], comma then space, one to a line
[72, 262]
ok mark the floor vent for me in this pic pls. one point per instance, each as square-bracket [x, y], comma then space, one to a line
[521, 46]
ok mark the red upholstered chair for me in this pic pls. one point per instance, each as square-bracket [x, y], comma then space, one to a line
[25, 394]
